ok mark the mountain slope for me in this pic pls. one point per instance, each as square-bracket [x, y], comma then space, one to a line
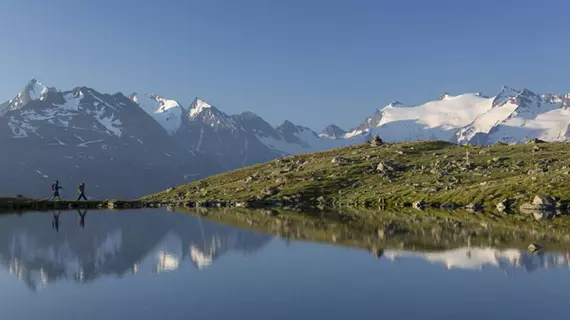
[168, 113]
[83, 135]
[429, 171]
[511, 116]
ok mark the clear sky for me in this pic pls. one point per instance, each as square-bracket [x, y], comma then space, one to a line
[313, 62]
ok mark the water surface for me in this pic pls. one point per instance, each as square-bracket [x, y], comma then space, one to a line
[156, 264]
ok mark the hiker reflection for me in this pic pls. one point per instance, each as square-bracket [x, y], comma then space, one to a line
[81, 218]
[55, 221]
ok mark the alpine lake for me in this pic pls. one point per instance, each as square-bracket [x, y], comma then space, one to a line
[229, 263]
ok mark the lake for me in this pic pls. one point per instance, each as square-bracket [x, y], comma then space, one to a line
[157, 264]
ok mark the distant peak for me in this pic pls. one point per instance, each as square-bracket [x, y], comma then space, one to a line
[507, 88]
[35, 90]
[527, 92]
[505, 94]
[394, 104]
[134, 97]
[332, 131]
[197, 106]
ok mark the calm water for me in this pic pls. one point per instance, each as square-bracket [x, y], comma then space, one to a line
[155, 264]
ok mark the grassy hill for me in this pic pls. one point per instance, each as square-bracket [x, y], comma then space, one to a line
[434, 172]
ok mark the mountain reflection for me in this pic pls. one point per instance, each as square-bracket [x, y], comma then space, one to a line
[113, 244]
[467, 258]
[156, 241]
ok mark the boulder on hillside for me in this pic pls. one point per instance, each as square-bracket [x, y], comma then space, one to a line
[341, 160]
[386, 167]
[376, 141]
[534, 141]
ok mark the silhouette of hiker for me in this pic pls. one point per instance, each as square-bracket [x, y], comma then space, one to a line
[81, 190]
[82, 218]
[55, 222]
[55, 188]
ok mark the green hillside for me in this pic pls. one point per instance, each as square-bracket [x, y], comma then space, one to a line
[392, 174]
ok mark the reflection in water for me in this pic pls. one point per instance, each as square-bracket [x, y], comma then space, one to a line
[114, 244]
[55, 222]
[468, 258]
[157, 241]
[81, 218]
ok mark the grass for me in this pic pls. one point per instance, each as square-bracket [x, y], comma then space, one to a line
[431, 171]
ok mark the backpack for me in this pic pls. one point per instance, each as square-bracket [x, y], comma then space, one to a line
[53, 187]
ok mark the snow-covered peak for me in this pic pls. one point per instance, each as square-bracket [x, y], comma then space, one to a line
[332, 132]
[198, 106]
[505, 94]
[36, 89]
[395, 104]
[202, 111]
[167, 112]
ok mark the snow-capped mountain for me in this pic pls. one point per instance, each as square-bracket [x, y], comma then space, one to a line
[511, 116]
[168, 113]
[333, 132]
[107, 141]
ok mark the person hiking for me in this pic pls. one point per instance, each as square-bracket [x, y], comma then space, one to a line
[82, 218]
[55, 188]
[81, 190]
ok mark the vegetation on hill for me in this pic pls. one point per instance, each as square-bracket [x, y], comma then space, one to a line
[393, 174]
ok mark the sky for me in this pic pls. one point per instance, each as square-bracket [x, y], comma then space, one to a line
[313, 62]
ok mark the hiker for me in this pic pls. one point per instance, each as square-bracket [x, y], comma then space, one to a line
[82, 218]
[55, 222]
[81, 190]
[55, 188]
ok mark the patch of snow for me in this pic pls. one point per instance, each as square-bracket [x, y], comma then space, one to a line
[36, 90]
[168, 113]
[198, 106]
[84, 144]
[41, 174]
[200, 139]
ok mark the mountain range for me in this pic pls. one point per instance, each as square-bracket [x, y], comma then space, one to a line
[125, 146]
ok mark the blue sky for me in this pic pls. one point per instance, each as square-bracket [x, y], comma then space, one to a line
[313, 62]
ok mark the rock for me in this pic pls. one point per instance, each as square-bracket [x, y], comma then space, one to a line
[376, 141]
[502, 206]
[169, 189]
[270, 191]
[534, 141]
[386, 167]
[544, 200]
[419, 205]
[533, 247]
[542, 215]
[539, 211]
[499, 159]
[270, 213]
[476, 206]
[448, 205]
[340, 160]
